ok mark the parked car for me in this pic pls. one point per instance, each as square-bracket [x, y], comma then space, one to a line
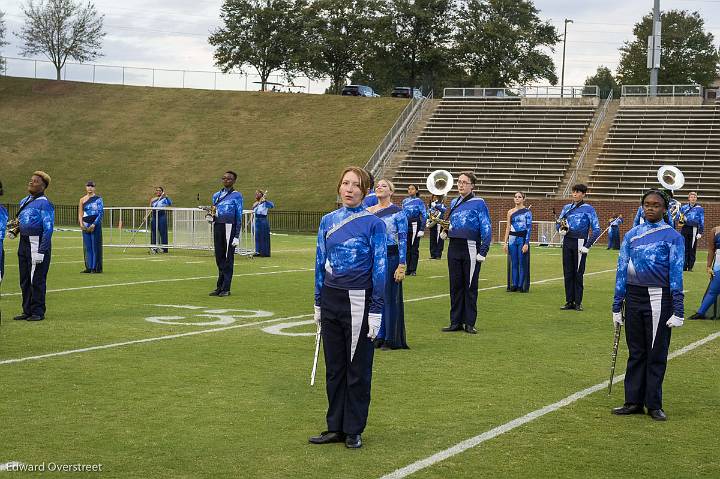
[406, 92]
[358, 90]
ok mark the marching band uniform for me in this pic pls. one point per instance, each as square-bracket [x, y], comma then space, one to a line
[691, 231]
[470, 234]
[92, 241]
[614, 233]
[674, 206]
[581, 217]
[713, 264]
[392, 331]
[436, 242]
[158, 221]
[3, 226]
[518, 276]
[640, 216]
[370, 200]
[350, 269]
[417, 216]
[226, 235]
[649, 280]
[262, 227]
[37, 219]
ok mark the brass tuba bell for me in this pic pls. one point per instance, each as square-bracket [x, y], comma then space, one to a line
[439, 182]
[670, 177]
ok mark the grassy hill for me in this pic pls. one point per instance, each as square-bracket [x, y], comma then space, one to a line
[129, 139]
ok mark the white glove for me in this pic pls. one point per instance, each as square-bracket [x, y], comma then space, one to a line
[429, 224]
[480, 258]
[562, 232]
[674, 322]
[698, 236]
[443, 235]
[420, 234]
[374, 322]
[617, 319]
[583, 250]
[317, 316]
[235, 242]
[37, 258]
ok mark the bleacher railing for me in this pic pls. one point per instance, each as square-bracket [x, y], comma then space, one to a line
[526, 91]
[661, 90]
[396, 136]
[588, 144]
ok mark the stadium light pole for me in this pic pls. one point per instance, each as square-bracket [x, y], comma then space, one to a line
[562, 74]
[654, 49]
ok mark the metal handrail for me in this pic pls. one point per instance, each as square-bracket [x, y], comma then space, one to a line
[588, 144]
[661, 90]
[396, 135]
[524, 91]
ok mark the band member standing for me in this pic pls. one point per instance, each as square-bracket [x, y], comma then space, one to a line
[350, 268]
[227, 223]
[392, 332]
[517, 245]
[371, 198]
[3, 226]
[37, 219]
[470, 235]
[692, 228]
[436, 242]
[262, 225]
[158, 219]
[713, 269]
[614, 231]
[417, 217]
[652, 289]
[580, 218]
[90, 215]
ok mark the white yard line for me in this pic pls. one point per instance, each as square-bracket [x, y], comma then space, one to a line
[509, 426]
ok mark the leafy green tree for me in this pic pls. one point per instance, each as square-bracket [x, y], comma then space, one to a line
[263, 34]
[604, 80]
[688, 54]
[499, 43]
[62, 29]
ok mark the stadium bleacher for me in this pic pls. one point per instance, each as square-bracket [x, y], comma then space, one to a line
[643, 138]
[510, 145]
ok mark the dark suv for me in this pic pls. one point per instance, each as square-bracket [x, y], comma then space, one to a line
[406, 92]
[358, 90]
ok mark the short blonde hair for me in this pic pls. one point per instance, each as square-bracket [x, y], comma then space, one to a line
[45, 177]
[391, 185]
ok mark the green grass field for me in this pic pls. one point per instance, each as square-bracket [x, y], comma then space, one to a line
[235, 401]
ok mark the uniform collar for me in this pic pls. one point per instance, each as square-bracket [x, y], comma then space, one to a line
[356, 209]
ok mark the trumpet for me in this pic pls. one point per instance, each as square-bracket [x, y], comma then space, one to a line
[13, 228]
[681, 220]
[563, 224]
[435, 219]
[211, 213]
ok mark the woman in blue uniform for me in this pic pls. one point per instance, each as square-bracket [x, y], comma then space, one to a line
[3, 226]
[614, 231]
[158, 219]
[649, 281]
[392, 332]
[262, 225]
[713, 269]
[517, 245]
[470, 233]
[693, 226]
[415, 211]
[350, 268]
[437, 244]
[90, 215]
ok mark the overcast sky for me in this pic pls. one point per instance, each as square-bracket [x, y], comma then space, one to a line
[172, 34]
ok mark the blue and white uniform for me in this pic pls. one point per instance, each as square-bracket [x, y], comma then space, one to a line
[350, 273]
[470, 235]
[37, 219]
[436, 242]
[518, 265]
[584, 230]
[262, 227]
[614, 233]
[226, 228]
[3, 227]
[92, 214]
[158, 221]
[392, 331]
[414, 209]
[640, 216]
[649, 280]
[370, 200]
[714, 287]
[694, 226]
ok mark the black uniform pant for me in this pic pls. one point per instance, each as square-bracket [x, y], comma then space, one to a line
[689, 234]
[648, 340]
[436, 242]
[413, 244]
[348, 357]
[32, 277]
[223, 234]
[464, 270]
[573, 269]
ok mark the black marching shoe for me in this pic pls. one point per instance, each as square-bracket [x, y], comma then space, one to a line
[35, 317]
[627, 409]
[578, 307]
[353, 441]
[657, 414]
[697, 316]
[452, 327]
[327, 437]
[86, 271]
[568, 306]
[21, 317]
[214, 292]
[222, 294]
[470, 329]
